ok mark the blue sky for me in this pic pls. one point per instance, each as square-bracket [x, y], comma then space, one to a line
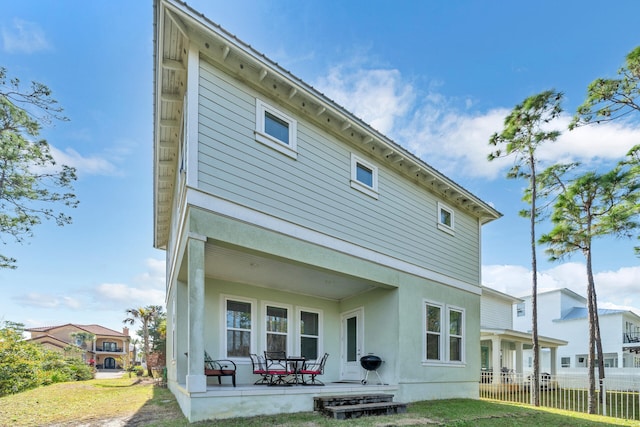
[437, 77]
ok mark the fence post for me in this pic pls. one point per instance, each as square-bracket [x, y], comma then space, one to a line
[603, 398]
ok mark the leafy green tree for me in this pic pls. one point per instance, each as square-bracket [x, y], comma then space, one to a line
[612, 99]
[146, 316]
[83, 337]
[25, 365]
[525, 129]
[29, 177]
[588, 206]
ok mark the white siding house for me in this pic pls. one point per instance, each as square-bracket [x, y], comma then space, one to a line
[505, 348]
[564, 313]
[290, 224]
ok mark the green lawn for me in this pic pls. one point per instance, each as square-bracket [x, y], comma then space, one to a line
[143, 404]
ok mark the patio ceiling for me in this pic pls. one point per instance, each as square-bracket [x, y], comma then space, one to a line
[261, 270]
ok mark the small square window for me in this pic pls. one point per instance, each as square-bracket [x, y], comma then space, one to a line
[364, 176]
[276, 129]
[445, 218]
[565, 362]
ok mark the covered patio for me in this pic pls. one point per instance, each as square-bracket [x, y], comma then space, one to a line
[502, 355]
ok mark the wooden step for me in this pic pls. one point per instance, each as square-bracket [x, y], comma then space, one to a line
[345, 412]
[320, 402]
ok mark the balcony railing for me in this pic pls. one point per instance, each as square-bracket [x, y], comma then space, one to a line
[631, 337]
[110, 350]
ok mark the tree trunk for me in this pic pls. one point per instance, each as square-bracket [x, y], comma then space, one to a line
[592, 337]
[594, 318]
[535, 377]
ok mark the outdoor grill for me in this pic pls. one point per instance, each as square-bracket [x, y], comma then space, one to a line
[371, 363]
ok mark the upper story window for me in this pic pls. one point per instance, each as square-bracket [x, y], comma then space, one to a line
[364, 176]
[275, 129]
[446, 220]
[520, 309]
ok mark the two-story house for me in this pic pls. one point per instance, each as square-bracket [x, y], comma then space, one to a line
[505, 349]
[108, 349]
[290, 224]
[564, 313]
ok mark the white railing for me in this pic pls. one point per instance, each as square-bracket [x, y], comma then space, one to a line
[616, 396]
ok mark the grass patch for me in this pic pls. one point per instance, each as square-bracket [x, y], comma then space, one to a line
[140, 403]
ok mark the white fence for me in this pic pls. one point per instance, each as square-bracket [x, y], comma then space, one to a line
[616, 396]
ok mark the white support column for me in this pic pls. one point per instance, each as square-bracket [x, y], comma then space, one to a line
[496, 365]
[196, 380]
[554, 360]
[519, 358]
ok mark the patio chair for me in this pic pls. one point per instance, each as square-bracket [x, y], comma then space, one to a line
[219, 368]
[277, 367]
[314, 369]
[260, 368]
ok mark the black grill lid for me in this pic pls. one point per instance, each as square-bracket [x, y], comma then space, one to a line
[370, 362]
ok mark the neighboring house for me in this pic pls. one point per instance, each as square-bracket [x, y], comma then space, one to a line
[108, 349]
[564, 313]
[506, 349]
[290, 224]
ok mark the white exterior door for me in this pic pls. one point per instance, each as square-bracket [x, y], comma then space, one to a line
[352, 344]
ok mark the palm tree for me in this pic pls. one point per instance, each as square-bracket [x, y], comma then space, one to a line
[145, 315]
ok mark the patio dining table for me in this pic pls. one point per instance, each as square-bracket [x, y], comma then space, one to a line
[296, 363]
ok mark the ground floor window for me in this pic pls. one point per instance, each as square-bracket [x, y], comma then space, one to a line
[295, 330]
[444, 333]
[239, 327]
[565, 362]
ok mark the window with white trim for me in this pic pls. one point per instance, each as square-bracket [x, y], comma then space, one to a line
[364, 176]
[520, 309]
[309, 333]
[455, 335]
[276, 129]
[446, 219]
[239, 327]
[565, 362]
[276, 328]
[444, 333]
[434, 321]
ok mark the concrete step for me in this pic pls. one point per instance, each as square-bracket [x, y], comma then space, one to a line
[320, 402]
[345, 412]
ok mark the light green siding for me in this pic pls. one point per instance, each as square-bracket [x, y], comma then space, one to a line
[314, 190]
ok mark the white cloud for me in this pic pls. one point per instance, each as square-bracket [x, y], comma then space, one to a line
[615, 289]
[91, 165]
[379, 97]
[40, 300]
[24, 37]
[450, 139]
[148, 288]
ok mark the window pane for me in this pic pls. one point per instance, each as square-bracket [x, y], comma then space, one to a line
[238, 315]
[433, 347]
[276, 127]
[455, 349]
[276, 319]
[455, 322]
[309, 348]
[238, 343]
[308, 323]
[364, 175]
[433, 318]
[352, 339]
[445, 217]
[276, 342]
